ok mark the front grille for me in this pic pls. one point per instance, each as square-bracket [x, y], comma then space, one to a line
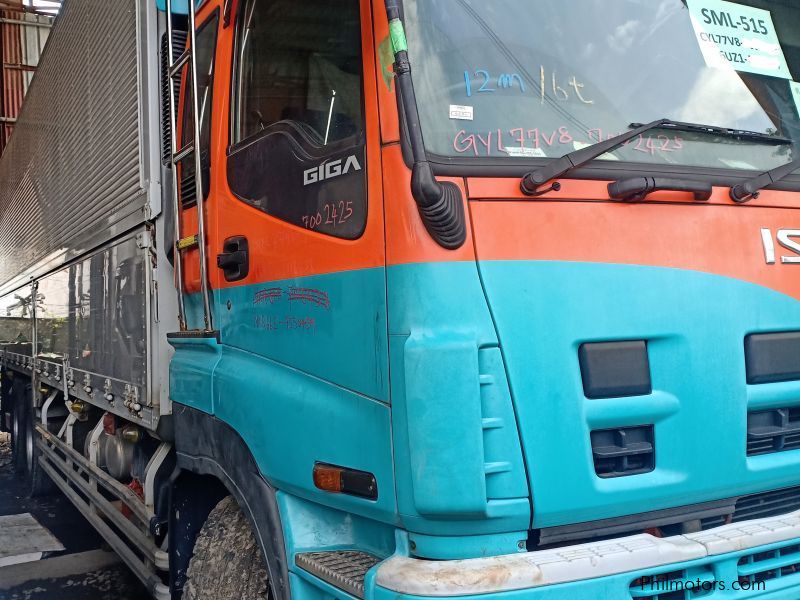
[758, 506]
[771, 431]
[712, 522]
[686, 584]
[773, 564]
[673, 521]
[767, 504]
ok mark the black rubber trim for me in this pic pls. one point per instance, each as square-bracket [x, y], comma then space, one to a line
[597, 171]
[772, 357]
[630, 523]
[195, 334]
[207, 446]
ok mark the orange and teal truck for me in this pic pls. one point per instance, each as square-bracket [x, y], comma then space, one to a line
[411, 299]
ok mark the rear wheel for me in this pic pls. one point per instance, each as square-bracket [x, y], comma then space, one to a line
[25, 452]
[227, 561]
[19, 420]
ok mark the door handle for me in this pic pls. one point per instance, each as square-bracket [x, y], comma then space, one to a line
[234, 259]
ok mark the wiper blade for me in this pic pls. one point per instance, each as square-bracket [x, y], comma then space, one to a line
[751, 188]
[736, 134]
[533, 181]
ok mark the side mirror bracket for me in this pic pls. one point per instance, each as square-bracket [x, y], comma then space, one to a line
[440, 204]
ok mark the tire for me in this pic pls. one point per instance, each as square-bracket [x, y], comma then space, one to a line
[227, 562]
[19, 421]
[40, 483]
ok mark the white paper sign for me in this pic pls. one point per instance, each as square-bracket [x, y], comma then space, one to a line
[517, 152]
[462, 113]
[734, 36]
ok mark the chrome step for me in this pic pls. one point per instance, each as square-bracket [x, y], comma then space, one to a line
[344, 569]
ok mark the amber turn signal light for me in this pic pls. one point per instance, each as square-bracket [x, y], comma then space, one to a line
[328, 478]
[341, 480]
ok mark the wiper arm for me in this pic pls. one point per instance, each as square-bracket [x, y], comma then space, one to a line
[751, 188]
[533, 181]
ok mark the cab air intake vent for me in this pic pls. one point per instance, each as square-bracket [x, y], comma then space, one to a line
[772, 431]
[188, 187]
[767, 504]
[759, 506]
[623, 452]
[179, 44]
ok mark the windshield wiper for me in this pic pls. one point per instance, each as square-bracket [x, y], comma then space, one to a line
[750, 189]
[533, 181]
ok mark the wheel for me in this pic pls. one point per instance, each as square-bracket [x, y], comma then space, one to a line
[40, 482]
[19, 420]
[227, 561]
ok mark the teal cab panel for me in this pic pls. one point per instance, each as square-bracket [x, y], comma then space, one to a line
[694, 326]
[461, 485]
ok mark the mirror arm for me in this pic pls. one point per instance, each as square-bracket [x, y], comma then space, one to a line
[440, 204]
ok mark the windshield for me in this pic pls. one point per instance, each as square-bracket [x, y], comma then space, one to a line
[540, 78]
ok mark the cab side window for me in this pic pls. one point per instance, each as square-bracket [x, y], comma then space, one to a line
[298, 114]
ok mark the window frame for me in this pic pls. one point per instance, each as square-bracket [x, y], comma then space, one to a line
[315, 150]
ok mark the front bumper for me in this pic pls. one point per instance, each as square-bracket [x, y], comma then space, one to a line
[751, 559]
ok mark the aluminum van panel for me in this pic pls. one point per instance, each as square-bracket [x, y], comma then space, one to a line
[73, 168]
[94, 314]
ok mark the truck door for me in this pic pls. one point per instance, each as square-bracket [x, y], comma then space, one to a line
[298, 227]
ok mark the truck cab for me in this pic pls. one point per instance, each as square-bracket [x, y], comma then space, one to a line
[527, 372]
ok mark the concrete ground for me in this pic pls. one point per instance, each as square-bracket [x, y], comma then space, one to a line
[84, 571]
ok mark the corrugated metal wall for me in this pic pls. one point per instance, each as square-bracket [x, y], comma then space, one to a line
[71, 171]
